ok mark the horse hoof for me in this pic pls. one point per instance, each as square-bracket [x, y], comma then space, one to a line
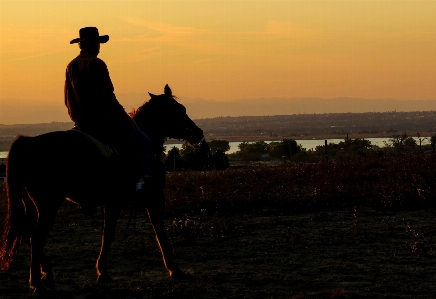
[48, 281]
[104, 278]
[40, 291]
[179, 274]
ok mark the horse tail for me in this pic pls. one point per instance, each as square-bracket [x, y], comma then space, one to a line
[15, 184]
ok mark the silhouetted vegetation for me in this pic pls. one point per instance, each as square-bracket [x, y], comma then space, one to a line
[202, 156]
[221, 161]
[402, 182]
[289, 149]
[397, 176]
[173, 160]
[433, 143]
[348, 148]
[385, 183]
[197, 157]
[260, 150]
[285, 148]
[218, 145]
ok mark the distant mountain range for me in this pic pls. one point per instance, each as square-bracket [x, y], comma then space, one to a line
[281, 125]
[262, 107]
[200, 108]
[27, 112]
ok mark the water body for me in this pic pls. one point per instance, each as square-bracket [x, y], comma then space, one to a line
[307, 144]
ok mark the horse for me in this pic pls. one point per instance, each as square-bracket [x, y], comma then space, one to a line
[45, 170]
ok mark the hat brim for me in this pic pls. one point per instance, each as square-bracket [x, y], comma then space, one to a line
[102, 39]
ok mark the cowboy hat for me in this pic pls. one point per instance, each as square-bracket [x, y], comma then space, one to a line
[90, 34]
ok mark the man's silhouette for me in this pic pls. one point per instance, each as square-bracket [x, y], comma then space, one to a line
[92, 105]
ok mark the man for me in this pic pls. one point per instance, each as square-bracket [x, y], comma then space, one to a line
[92, 105]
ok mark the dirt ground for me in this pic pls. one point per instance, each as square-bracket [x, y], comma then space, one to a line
[357, 253]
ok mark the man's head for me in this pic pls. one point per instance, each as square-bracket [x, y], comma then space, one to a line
[91, 48]
[89, 40]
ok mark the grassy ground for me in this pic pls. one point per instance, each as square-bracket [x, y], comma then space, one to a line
[262, 233]
[358, 253]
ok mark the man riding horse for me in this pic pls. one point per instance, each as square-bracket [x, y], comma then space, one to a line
[94, 108]
[45, 170]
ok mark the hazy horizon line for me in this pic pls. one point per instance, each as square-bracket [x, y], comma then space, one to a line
[237, 116]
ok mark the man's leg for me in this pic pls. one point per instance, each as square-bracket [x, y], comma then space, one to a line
[142, 147]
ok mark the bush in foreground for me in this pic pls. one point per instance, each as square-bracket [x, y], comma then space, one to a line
[384, 183]
[387, 183]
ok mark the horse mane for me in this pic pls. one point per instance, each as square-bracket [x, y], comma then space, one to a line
[134, 112]
[153, 99]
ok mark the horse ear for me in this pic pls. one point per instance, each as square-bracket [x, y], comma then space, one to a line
[168, 91]
[152, 95]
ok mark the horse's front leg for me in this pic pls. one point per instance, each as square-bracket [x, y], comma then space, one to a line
[47, 276]
[111, 214]
[156, 213]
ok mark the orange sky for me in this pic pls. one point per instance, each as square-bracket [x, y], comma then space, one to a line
[221, 50]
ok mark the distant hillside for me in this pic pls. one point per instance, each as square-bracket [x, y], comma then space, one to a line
[202, 108]
[306, 125]
[273, 106]
[282, 125]
[14, 111]
[8, 133]
[33, 129]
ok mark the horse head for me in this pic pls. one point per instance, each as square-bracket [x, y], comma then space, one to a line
[162, 116]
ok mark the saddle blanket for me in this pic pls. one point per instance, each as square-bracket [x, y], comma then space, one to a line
[105, 150]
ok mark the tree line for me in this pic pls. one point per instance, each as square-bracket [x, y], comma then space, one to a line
[201, 156]
[212, 155]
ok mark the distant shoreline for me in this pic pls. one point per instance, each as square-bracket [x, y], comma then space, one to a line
[306, 141]
[5, 145]
[306, 137]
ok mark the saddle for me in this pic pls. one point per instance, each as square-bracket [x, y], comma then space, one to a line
[106, 151]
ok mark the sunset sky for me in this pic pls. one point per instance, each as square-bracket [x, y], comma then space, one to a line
[219, 50]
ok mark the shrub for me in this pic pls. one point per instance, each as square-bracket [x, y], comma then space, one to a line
[383, 183]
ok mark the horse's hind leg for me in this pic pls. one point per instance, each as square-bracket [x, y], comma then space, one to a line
[47, 277]
[111, 214]
[46, 218]
[156, 213]
[31, 219]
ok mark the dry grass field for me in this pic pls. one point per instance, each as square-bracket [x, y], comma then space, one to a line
[358, 229]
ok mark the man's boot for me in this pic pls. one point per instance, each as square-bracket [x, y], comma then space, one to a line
[143, 192]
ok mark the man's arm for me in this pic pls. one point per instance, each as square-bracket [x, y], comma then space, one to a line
[109, 100]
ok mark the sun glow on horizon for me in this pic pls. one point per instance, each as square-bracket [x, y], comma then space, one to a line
[224, 50]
